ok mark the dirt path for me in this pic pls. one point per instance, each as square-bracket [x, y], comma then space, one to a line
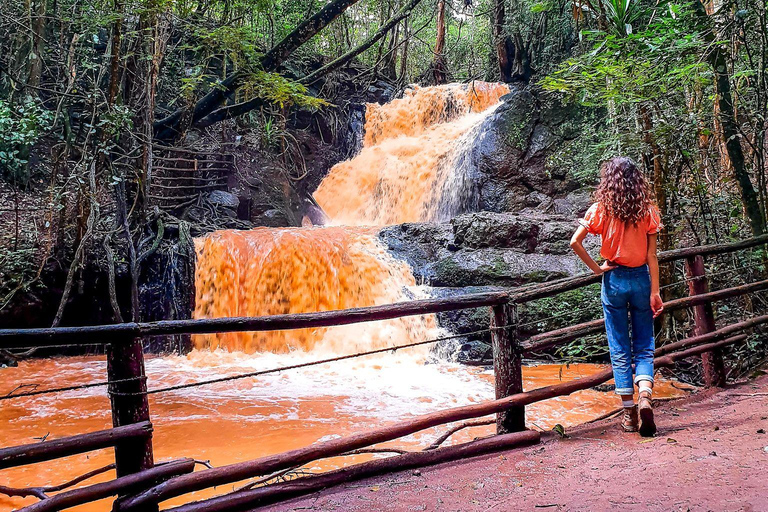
[711, 454]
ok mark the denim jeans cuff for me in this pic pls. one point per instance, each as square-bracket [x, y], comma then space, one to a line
[625, 391]
[638, 378]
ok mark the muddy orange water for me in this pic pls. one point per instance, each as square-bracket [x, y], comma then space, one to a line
[244, 419]
[408, 171]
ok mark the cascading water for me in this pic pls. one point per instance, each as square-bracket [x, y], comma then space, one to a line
[276, 271]
[413, 148]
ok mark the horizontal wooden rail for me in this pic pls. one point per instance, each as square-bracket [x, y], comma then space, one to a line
[122, 485]
[265, 465]
[81, 443]
[549, 339]
[542, 290]
[120, 332]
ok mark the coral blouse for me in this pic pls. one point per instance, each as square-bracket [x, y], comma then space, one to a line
[622, 243]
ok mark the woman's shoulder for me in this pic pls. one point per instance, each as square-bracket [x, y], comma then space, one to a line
[653, 219]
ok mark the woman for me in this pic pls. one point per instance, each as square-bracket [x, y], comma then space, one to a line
[628, 222]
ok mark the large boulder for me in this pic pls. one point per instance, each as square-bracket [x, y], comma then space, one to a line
[507, 163]
[488, 249]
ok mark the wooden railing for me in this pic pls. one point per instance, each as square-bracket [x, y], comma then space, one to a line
[141, 484]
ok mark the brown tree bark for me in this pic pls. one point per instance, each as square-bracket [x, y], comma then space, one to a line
[501, 41]
[403, 13]
[438, 67]
[37, 23]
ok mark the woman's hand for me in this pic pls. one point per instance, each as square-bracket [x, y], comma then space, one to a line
[605, 267]
[657, 305]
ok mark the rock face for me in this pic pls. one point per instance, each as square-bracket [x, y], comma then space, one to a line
[487, 248]
[507, 163]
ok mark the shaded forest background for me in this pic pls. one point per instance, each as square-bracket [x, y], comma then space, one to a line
[101, 99]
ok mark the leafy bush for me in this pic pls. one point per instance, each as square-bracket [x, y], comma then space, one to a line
[20, 127]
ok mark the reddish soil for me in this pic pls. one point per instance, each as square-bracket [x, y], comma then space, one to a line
[710, 454]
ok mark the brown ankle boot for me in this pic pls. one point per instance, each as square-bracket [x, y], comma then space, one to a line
[645, 407]
[629, 419]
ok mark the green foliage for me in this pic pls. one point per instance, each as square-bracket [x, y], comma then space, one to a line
[238, 43]
[20, 127]
[637, 67]
[581, 157]
[621, 14]
[280, 91]
[17, 272]
[567, 308]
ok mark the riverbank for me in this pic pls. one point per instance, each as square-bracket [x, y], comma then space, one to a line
[709, 454]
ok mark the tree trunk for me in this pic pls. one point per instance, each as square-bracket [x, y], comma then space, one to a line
[502, 42]
[37, 25]
[521, 70]
[404, 56]
[726, 115]
[403, 13]
[438, 68]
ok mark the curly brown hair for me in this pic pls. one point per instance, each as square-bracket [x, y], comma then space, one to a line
[623, 190]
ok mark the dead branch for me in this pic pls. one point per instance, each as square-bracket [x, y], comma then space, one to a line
[42, 492]
[440, 440]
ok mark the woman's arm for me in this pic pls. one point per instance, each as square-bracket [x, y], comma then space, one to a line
[657, 305]
[578, 247]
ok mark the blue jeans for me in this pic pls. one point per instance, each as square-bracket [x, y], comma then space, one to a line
[627, 293]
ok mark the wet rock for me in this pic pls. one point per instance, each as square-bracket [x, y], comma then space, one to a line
[491, 266]
[419, 244]
[7, 359]
[474, 351]
[223, 199]
[574, 204]
[488, 229]
[273, 218]
[508, 160]
[465, 321]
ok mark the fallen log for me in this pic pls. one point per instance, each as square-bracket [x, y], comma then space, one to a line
[38, 452]
[246, 500]
[271, 463]
[122, 485]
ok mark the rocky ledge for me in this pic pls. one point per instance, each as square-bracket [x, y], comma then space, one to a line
[486, 251]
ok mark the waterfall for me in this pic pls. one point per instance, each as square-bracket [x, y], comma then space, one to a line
[413, 167]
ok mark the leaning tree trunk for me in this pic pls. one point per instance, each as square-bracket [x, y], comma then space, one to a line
[169, 127]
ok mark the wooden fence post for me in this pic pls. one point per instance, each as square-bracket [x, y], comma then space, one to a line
[507, 365]
[125, 362]
[704, 318]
